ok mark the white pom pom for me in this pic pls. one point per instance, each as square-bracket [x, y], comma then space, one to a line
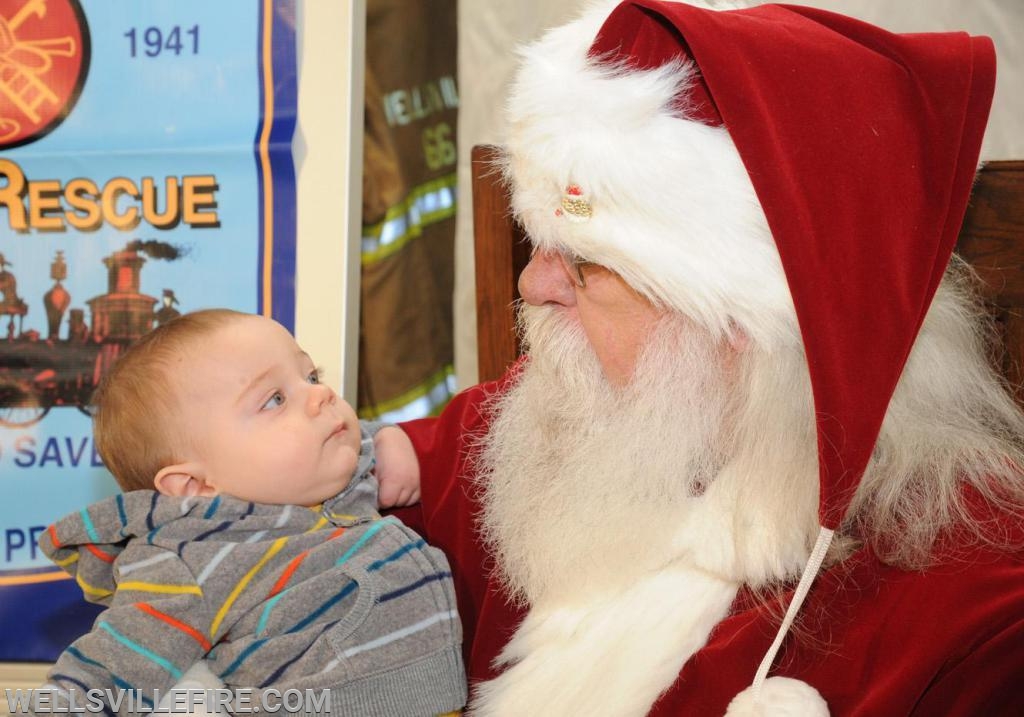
[779, 697]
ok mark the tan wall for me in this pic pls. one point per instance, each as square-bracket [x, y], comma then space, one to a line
[19, 676]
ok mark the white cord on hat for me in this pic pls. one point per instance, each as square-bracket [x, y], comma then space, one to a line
[802, 588]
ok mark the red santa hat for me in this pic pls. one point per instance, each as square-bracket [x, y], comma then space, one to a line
[780, 170]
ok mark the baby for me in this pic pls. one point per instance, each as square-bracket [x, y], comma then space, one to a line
[248, 533]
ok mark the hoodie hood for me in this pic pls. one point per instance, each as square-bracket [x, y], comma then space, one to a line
[87, 543]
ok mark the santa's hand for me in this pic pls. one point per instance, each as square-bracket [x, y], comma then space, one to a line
[398, 470]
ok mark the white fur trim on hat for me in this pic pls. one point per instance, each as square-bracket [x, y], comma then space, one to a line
[779, 697]
[671, 207]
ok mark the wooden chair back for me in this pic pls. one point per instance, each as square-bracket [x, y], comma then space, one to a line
[501, 251]
[992, 240]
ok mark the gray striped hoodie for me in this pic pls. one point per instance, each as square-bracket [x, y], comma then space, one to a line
[282, 597]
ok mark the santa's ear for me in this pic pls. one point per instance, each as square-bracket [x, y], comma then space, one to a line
[183, 480]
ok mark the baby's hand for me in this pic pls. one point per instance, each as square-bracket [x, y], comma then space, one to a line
[398, 470]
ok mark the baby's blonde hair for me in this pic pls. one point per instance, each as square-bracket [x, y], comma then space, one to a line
[136, 405]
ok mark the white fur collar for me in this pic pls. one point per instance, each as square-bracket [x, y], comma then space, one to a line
[612, 656]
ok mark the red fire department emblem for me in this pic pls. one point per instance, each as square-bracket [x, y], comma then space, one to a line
[44, 58]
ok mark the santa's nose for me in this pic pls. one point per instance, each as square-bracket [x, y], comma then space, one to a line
[545, 281]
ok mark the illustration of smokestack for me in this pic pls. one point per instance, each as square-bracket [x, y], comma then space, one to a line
[123, 313]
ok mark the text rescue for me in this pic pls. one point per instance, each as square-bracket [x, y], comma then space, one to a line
[45, 205]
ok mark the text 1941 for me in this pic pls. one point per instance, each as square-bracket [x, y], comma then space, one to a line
[152, 41]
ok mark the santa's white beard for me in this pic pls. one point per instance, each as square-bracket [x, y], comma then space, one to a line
[585, 488]
[584, 483]
[627, 518]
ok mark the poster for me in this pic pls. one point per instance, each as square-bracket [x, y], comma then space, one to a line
[145, 170]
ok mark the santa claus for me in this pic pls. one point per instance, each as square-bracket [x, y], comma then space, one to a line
[756, 461]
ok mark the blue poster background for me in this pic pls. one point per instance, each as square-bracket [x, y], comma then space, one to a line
[213, 99]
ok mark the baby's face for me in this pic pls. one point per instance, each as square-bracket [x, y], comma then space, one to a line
[263, 427]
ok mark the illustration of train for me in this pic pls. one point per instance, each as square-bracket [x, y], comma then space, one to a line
[38, 373]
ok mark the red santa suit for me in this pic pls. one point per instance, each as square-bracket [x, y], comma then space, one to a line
[657, 140]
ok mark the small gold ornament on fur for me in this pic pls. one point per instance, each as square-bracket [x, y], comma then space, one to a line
[575, 204]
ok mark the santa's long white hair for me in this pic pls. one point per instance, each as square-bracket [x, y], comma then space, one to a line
[951, 448]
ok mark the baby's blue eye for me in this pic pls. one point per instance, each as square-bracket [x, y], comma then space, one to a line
[276, 400]
[315, 376]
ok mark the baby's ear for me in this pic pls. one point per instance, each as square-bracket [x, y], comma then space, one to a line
[183, 480]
